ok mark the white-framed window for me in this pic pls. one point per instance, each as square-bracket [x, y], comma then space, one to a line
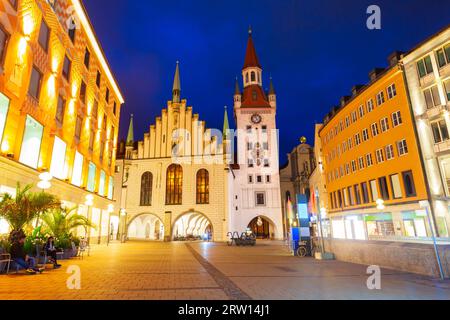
[396, 186]
[250, 179]
[259, 179]
[31, 143]
[361, 111]
[341, 171]
[369, 105]
[361, 163]
[354, 166]
[347, 121]
[432, 98]
[375, 130]
[380, 156]
[91, 177]
[374, 190]
[347, 168]
[380, 98]
[402, 147]
[260, 199]
[365, 135]
[344, 146]
[111, 188]
[101, 187]
[384, 124]
[350, 143]
[268, 179]
[369, 160]
[440, 131]
[447, 89]
[397, 119]
[392, 91]
[443, 56]
[389, 152]
[58, 158]
[77, 174]
[357, 139]
[354, 116]
[424, 66]
[4, 107]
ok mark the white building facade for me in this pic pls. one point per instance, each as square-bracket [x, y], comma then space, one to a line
[427, 72]
[254, 179]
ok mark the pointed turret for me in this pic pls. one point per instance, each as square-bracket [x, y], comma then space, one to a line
[176, 85]
[130, 136]
[237, 89]
[226, 125]
[251, 58]
[271, 88]
[272, 95]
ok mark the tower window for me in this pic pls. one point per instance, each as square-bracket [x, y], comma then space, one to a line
[254, 95]
[253, 76]
[246, 77]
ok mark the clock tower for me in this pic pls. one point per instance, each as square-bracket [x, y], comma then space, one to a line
[256, 181]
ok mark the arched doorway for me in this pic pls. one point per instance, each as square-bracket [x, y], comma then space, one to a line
[192, 226]
[146, 227]
[262, 228]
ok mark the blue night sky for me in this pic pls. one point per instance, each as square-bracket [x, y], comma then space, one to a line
[315, 51]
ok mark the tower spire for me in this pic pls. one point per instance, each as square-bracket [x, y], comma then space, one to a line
[271, 88]
[251, 58]
[130, 136]
[226, 125]
[176, 93]
[237, 89]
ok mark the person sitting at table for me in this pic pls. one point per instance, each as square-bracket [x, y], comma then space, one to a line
[23, 260]
[51, 250]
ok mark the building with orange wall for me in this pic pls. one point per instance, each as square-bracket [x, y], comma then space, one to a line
[372, 164]
[59, 106]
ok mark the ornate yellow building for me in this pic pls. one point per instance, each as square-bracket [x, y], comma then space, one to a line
[59, 106]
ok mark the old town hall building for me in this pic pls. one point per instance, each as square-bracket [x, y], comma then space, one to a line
[185, 180]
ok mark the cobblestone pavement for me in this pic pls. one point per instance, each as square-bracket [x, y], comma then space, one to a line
[202, 271]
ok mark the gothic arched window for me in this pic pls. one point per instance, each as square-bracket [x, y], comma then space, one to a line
[253, 76]
[146, 189]
[174, 185]
[203, 186]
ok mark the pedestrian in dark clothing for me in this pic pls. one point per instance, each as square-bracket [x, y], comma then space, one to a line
[51, 250]
[19, 256]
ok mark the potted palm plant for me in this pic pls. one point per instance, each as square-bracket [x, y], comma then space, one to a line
[61, 222]
[20, 211]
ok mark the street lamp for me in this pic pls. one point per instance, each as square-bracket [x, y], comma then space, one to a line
[380, 204]
[425, 205]
[44, 184]
[89, 203]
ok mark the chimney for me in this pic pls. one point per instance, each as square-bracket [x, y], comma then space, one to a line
[394, 58]
[373, 75]
[344, 101]
[356, 89]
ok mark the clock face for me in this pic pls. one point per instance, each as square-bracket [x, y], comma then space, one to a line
[256, 119]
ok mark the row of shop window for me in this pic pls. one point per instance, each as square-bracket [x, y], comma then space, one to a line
[370, 192]
[413, 224]
[30, 152]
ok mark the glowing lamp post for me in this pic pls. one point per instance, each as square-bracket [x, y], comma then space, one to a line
[110, 211]
[44, 184]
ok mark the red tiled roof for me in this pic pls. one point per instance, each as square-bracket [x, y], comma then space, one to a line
[248, 100]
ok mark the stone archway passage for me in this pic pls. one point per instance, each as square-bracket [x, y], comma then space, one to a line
[192, 225]
[146, 227]
[261, 228]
